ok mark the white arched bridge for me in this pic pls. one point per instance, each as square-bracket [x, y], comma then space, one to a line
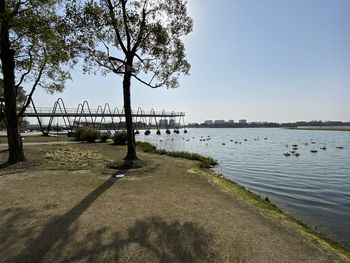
[103, 118]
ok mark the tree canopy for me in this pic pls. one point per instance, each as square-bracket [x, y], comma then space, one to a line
[39, 38]
[35, 50]
[146, 34]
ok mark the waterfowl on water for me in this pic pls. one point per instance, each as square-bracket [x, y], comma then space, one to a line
[323, 147]
[223, 143]
[286, 154]
[296, 154]
[313, 142]
[295, 145]
[313, 151]
[306, 143]
[340, 147]
[265, 138]
[295, 148]
[293, 152]
[245, 140]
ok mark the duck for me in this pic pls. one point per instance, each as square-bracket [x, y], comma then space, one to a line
[313, 151]
[295, 145]
[323, 147]
[296, 154]
[223, 143]
[340, 147]
[286, 154]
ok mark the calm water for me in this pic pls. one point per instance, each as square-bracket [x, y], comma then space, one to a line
[315, 188]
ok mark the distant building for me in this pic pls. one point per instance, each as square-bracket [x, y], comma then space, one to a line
[219, 121]
[231, 121]
[243, 121]
[209, 122]
[171, 122]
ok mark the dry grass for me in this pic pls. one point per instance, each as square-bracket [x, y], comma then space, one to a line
[59, 210]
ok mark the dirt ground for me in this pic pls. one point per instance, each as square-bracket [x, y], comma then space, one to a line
[64, 205]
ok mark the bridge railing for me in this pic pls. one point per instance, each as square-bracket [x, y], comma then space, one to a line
[96, 111]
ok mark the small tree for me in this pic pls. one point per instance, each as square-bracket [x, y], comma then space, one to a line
[138, 39]
[33, 43]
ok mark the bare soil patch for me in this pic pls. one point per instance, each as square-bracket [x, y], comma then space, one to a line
[64, 205]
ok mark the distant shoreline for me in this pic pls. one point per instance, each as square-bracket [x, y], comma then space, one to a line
[321, 128]
[313, 128]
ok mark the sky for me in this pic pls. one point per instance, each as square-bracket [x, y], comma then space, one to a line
[260, 60]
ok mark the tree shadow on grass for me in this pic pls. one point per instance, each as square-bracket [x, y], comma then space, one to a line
[149, 239]
[57, 232]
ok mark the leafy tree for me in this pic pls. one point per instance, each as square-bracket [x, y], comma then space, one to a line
[21, 95]
[138, 39]
[34, 47]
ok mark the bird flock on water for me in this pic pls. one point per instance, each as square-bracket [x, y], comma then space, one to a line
[290, 149]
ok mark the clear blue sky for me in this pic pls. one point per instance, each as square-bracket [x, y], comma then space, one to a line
[268, 60]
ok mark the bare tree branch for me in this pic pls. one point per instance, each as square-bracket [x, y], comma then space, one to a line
[36, 82]
[116, 59]
[114, 22]
[142, 60]
[141, 32]
[126, 26]
[28, 71]
[148, 84]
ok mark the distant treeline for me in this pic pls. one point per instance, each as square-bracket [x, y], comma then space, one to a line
[270, 124]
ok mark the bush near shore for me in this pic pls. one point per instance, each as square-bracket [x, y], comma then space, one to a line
[204, 161]
[105, 136]
[120, 138]
[87, 134]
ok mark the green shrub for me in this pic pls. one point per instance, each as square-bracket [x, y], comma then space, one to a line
[204, 161]
[120, 138]
[105, 136]
[146, 146]
[78, 135]
[87, 134]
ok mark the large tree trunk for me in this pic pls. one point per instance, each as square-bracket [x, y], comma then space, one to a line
[14, 139]
[131, 153]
